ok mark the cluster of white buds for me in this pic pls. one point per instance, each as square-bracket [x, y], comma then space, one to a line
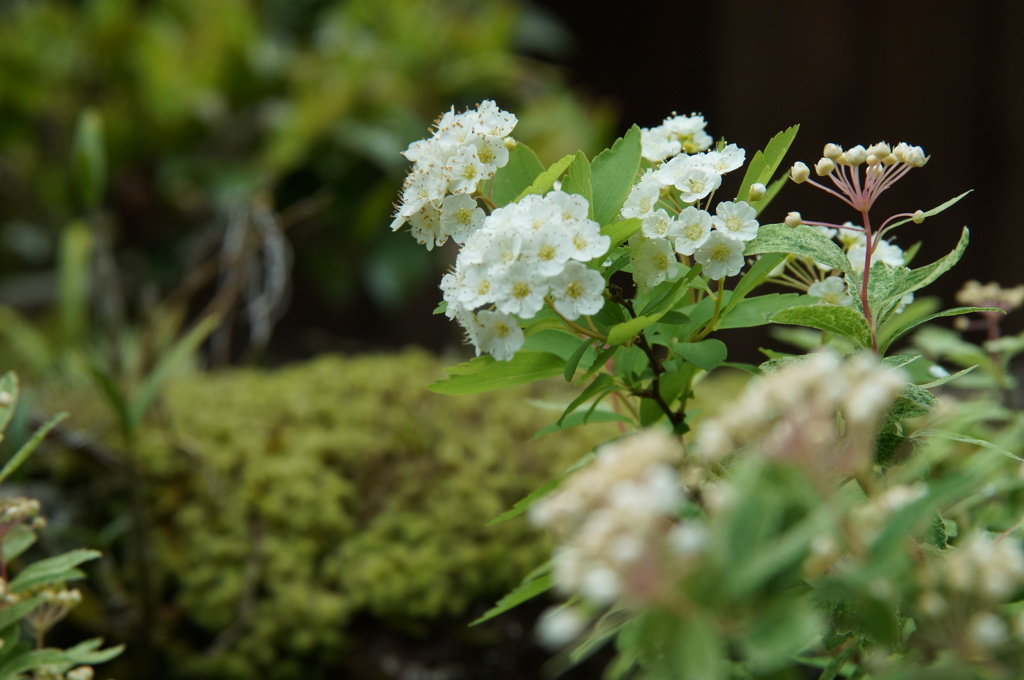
[791, 414]
[55, 605]
[465, 149]
[884, 164]
[621, 541]
[991, 295]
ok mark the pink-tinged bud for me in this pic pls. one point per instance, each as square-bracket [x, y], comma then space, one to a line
[832, 151]
[874, 171]
[757, 191]
[918, 217]
[793, 219]
[799, 173]
[824, 167]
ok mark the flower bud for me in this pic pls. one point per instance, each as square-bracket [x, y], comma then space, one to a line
[914, 157]
[510, 143]
[824, 167]
[918, 217]
[854, 156]
[799, 173]
[757, 191]
[832, 151]
[881, 150]
[793, 219]
[890, 160]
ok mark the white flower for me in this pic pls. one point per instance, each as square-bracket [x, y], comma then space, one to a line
[657, 144]
[492, 121]
[728, 159]
[832, 291]
[689, 130]
[496, 334]
[886, 252]
[693, 230]
[558, 626]
[520, 290]
[587, 240]
[659, 224]
[738, 220]
[653, 261]
[721, 255]
[460, 216]
[697, 182]
[425, 227]
[577, 291]
[643, 197]
[548, 248]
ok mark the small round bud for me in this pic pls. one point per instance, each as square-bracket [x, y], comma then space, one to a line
[6, 399]
[874, 171]
[854, 156]
[793, 219]
[757, 191]
[918, 217]
[824, 167]
[832, 152]
[914, 157]
[510, 143]
[872, 160]
[890, 160]
[799, 173]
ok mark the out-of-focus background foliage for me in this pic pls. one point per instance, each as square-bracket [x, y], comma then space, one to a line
[207, 184]
[187, 184]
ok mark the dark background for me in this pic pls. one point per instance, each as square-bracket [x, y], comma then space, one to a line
[943, 75]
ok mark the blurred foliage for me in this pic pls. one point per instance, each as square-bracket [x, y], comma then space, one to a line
[285, 504]
[204, 108]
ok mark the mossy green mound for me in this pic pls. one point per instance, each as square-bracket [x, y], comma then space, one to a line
[291, 501]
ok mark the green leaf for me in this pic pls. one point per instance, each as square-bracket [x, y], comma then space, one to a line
[915, 401]
[578, 180]
[484, 374]
[929, 213]
[73, 275]
[51, 570]
[545, 181]
[614, 171]
[9, 399]
[764, 163]
[28, 447]
[578, 418]
[947, 378]
[843, 321]
[90, 159]
[515, 176]
[895, 335]
[707, 354]
[602, 385]
[618, 232]
[623, 333]
[533, 585]
[18, 540]
[753, 278]
[966, 439]
[13, 613]
[801, 240]
[836, 665]
[574, 359]
[183, 348]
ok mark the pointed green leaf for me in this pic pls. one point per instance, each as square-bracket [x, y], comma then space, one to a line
[527, 590]
[614, 171]
[515, 176]
[51, 570]
[707, 354]
[578, 180]
[545, 181]
[13, 613]
[764, 163]
[845, 322]
[28, 447]
[484, 374]
[90, 159]
[574, 359]
[903, 330]
[18, 540]
[601, 386]
[966, 439]
[74, 272]
[801, 240]
[929, 213]
[752, 279]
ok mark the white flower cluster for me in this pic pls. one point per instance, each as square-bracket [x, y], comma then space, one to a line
[992, 570]
[716, 242]
[522, 254]
[465, 149]
[617, 518]
[791, 414]
[678, 134]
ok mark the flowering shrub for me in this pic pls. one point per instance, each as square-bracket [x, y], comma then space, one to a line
[826, 522]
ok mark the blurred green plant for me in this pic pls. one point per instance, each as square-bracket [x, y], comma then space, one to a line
[287, 504]
[209, 114]
[36, 598]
